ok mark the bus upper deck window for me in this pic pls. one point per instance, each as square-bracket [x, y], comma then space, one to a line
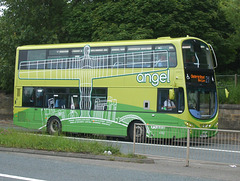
[196, 54]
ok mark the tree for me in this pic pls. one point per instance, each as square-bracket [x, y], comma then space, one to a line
[78, 22]
[140, 19]
[27, 22]
[231, 9]
[55, 21]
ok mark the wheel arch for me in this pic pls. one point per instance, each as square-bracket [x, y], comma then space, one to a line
[132, 123]
[52, 117]
[130, 129]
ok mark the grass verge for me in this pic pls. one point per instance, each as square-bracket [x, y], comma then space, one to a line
[18, 139]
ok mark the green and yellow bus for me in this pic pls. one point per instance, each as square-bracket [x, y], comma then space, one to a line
[106, 87]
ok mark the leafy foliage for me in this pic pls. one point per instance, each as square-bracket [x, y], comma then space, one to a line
[27, 22]
[232, 11]
[58, 21]
[234, 95]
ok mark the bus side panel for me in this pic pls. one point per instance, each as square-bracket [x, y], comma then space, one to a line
[31, 118]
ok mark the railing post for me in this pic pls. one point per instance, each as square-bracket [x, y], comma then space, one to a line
[235, 80]
[134, 137]
[188, 145]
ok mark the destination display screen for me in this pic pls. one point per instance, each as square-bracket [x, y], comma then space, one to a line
[200, 77]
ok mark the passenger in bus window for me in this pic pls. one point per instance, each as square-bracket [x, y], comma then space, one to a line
[191, 59]
[162, 62]
[51, 103]
[28, 97]
[168, 105]
[60, 103]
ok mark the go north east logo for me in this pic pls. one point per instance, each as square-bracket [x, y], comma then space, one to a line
[154, 78]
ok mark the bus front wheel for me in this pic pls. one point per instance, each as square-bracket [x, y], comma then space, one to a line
[140, 132]
[54, 126]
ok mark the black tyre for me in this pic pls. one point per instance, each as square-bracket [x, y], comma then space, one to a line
[54, 126]
[140, 132]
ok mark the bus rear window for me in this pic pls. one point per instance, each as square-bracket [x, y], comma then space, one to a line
[28, 97]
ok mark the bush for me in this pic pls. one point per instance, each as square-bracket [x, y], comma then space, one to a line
[234, 95]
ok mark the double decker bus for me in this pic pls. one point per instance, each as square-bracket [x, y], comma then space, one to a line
[106, 87]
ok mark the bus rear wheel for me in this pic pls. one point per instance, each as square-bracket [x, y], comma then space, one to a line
[54, 126]
[140, 132]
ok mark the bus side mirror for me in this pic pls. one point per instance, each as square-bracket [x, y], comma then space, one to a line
[226, 93]
[171, 94]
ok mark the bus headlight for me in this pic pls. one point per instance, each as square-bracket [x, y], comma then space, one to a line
[205, 125]
[188, 124]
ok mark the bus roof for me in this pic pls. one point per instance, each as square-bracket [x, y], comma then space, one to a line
[162, 40]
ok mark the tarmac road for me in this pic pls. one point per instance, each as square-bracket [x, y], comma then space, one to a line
[43, 166]
[211, 153]
[37, 167]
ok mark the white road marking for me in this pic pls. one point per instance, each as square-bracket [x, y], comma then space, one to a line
[19, 178]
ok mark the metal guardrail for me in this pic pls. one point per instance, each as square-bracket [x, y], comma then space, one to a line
[190, 144]
[227, 80]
